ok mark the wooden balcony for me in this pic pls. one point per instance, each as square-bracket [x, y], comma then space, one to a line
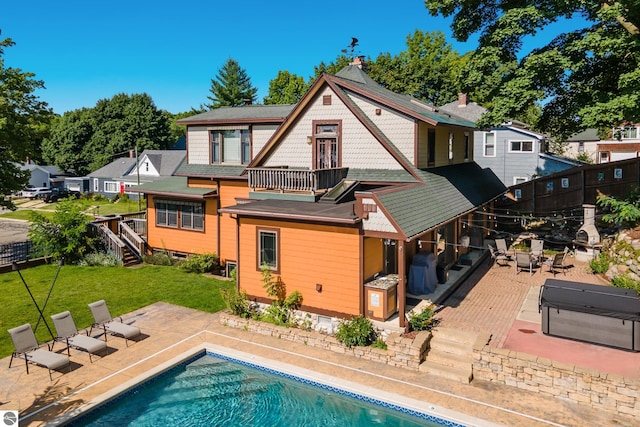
[295, 180]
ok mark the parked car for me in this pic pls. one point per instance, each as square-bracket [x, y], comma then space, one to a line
[35, 192]
[59, 193]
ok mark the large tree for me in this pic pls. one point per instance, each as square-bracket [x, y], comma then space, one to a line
[23, 119]
[585, 77]
[231, 87]
[110, 129]
[286, 88]
[429, 69]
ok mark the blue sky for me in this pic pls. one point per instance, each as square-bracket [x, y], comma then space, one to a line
[87, 51]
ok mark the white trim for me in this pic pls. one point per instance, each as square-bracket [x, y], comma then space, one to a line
[510, 150]
[524, 178]
[484, 144]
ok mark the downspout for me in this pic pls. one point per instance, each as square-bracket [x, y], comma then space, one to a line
[237, 253]
[402, 295]
[218, 218]
[361, 279]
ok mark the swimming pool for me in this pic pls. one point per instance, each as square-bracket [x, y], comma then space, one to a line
[212, 389]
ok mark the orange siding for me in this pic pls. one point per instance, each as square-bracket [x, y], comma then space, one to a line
[373, 262]
[179, 240]
[201, 183]
[309, 255]
[229, 191]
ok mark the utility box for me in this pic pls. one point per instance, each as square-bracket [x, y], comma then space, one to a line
[381, 298]
[592, 313]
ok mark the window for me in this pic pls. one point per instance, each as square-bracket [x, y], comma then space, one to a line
[466, 145]
[268, 249]
[490, 144]
[431, 147]
[519, 179]
[96, 185]
[521, 146]
[604, 156]
[180, 214]
[581, 147]
[230, 146]
[450, 147]
[626, 132]
[111, 187]
[327, 144]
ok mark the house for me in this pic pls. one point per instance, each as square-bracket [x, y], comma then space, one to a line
[44, 176]
[335, 195]
[123, 174]
[623, 143]
[514, 152]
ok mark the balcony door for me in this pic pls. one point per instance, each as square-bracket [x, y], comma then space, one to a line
[326, 144]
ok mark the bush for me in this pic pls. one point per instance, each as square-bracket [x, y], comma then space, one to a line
[201, 263]
[422, 321]
[103, 259]
[238, 303]
[599, 264]
[379, 343]
[159, 258]
[624, 281]
[356, 332]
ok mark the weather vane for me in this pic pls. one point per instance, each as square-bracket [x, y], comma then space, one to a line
[351, 47]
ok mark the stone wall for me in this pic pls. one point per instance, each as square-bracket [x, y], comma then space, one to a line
[609, 392]
[401, 351]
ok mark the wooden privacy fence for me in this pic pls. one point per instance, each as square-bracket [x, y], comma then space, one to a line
[15, 252]
[572, 188]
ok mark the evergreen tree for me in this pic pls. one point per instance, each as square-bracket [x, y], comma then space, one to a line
[231, 87]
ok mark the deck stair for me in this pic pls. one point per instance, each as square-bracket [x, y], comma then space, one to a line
[450, 354]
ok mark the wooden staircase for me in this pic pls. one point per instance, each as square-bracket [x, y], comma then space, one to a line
[450, 354]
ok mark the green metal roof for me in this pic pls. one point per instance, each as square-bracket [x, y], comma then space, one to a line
[175, 186]
[447, 192]
[210, 171]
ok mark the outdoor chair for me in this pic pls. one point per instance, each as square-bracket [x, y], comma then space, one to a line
[69, 334]
[498, 258]
[27, 348]
[501, 245]
[537, 247]
[524, 261]
[557, 262]
[102, 319]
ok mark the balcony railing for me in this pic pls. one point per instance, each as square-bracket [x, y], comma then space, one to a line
[301, 180]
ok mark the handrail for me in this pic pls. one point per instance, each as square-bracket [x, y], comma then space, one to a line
[136, 242]
[305, 180]
[109, 238]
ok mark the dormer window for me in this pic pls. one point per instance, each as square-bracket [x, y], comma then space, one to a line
[232, 146]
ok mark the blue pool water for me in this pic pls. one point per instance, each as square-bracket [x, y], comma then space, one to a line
[215, 390]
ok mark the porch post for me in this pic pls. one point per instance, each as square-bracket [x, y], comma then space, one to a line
[402, 282]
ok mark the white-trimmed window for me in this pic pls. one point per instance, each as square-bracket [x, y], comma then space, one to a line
[489, 144]
[268, 248]
[626, 132]
[96, 185]
[111, 187]
[230, 146]
[466, 146]
[519, 179]
[604, 156]
[521, 146]
[180, 214]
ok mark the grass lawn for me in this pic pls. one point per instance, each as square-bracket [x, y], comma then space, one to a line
[124, 290]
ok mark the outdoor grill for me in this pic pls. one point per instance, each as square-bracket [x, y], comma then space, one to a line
[587, 242]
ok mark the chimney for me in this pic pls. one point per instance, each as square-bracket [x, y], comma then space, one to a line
[358, 61]
[131, 155]
[463, 99]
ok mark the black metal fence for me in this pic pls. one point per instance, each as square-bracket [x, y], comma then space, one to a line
[16, 252]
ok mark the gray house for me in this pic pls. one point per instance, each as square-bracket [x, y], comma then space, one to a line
[512, 151]
[122, 175]
[44, 176]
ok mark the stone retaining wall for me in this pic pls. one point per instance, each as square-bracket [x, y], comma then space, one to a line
[609, 392]
[401, 351]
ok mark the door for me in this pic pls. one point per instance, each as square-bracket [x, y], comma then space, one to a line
[327, 153]
[390, 257]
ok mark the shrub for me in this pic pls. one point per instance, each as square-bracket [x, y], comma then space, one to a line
[238, 303]
[422, 321]
[280, 312]
[159, 258]
[624, 281]
[356, 332]
[599, 264]
[201, 263]
[103, 259]
[379, 343]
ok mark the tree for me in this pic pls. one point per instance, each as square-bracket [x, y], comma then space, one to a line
[286, 88]
[428, 70]
[586, 77]
[110, 129]
[231, 87]
[64, 235]
[23, 119]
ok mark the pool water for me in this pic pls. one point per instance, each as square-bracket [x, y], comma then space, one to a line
[214, 390]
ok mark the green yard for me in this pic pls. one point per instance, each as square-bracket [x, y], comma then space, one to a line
[124, 290]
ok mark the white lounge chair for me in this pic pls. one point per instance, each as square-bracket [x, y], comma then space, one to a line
[69, 334]
[102, 319]
[27, 348]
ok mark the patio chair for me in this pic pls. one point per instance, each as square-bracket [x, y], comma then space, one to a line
[501, 245]
[537, 247]
[524, 261]
[69, 334]
[499, 258]
[102, 319]
[27, 348]
[557, 262]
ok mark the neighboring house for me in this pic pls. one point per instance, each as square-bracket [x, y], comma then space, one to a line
[122, 175]
[624, 143]
[44, 176]
[344, 188]
[514, 153]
